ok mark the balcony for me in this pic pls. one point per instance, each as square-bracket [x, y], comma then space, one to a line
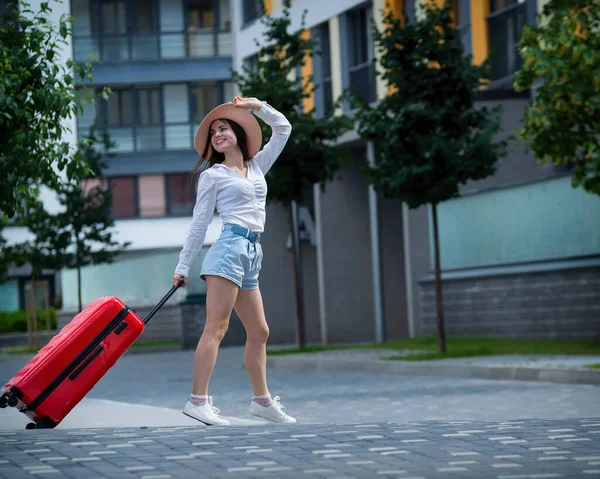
[505, 27]
[164, 46]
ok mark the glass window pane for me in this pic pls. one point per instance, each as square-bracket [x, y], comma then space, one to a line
[201, 14]
[126, 107]
[80, 9]
[172, 45]
[114, 20]
[178, 137]
[148, 138]
[205, 98]
[201, 44]
[171, 15]
[123, 138]
[225, 44]
[228, 91]
[176, 104]
[180, 197]
[144, 47]
[224, 15]
[87, 117]
[148, 106]
[113, 116]
[124, 201]
[115, 49]
[84, 47]
[143, 19]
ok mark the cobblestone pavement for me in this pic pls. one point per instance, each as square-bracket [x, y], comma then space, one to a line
[164, 380]
[425, 449]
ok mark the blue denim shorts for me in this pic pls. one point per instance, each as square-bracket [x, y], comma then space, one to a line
[235, 258]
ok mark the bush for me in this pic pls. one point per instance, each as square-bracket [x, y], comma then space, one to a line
[16, 321]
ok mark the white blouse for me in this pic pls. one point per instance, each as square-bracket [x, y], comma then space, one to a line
[237, 199]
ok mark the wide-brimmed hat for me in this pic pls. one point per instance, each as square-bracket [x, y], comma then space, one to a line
[229, 112]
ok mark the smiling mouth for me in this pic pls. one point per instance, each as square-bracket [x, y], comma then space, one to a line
[220, 142]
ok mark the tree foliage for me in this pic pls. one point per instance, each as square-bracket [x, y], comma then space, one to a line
[561, 57]
[429, 135]
[37, 97]
[310, 156]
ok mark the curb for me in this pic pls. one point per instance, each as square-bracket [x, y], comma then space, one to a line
[518, 373]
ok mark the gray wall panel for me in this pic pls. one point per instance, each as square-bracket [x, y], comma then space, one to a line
[393, 269]
[347, 261]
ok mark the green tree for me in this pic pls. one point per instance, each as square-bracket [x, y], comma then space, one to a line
[40, 253]
[37, 96]
[84, 227]
[561, 58]
[429, 137]
[310, 156]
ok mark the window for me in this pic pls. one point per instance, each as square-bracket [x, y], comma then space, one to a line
[505, 23]
[361, 52]
[322, 68]
[252, 10]
[130, 30]
[180, 194]
[153, 117]
[124, 196]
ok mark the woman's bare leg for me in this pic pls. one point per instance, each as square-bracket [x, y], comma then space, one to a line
[249, 307]
[220, 297]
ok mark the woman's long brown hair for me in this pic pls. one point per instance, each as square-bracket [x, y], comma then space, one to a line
[214, 157]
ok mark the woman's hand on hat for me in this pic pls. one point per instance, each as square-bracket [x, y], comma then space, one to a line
[247, 103]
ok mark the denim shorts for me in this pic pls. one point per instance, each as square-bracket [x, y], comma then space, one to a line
[235, 258]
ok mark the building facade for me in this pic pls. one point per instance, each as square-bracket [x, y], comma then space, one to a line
[520, 250]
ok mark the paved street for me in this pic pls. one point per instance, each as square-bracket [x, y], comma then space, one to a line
[503, 450]
[350, 425]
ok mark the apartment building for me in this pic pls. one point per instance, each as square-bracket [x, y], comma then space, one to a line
[520, 250]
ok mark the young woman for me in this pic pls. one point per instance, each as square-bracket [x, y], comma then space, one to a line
[229, 140]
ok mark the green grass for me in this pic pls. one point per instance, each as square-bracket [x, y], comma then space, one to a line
[462, 347]
[593, 366]
[307, 349]
[141, 344]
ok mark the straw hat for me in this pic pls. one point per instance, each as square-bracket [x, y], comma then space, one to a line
[229, 112]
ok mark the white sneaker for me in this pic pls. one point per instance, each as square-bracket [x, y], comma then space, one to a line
[272, 413]
[207, 413]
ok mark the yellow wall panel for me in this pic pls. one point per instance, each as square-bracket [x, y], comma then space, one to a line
[268, 6]
[479, 30]
[306, 71]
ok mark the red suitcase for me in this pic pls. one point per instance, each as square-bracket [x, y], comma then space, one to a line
[53, 382]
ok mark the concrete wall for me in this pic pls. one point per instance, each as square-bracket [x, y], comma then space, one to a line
[393, 269]
[346, 247]
[564, 303]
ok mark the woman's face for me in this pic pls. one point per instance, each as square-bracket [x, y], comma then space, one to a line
[222, 137]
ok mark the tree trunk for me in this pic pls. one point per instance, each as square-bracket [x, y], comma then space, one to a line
[298, 290]
[47, 306]
[79, 286]
[78, 264]
[36, 340]
[438, 284]
[28, 316]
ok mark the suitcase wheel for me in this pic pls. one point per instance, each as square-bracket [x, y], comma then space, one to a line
[3, 401]
[31, 425]
[12, 401]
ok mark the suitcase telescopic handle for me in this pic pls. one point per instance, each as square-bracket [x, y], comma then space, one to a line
[164, 300]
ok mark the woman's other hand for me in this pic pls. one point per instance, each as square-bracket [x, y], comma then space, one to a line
[177, 277]
[247, 103]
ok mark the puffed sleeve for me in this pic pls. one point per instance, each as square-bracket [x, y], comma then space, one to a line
[204, 209]
[281, 132]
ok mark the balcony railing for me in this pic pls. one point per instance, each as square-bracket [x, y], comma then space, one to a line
[163, 46]
[362, 81]
[505, 27]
